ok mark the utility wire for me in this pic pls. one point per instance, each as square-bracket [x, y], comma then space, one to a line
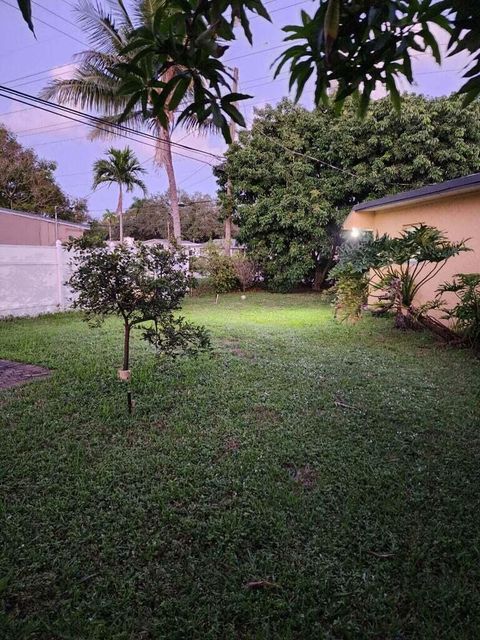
[105, 130]
[93, 121]
[64, 33]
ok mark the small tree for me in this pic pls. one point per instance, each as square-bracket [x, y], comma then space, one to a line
[245, 270]
[144, 286]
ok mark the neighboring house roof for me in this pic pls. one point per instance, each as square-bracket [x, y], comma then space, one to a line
[44, 218]
[457, 186]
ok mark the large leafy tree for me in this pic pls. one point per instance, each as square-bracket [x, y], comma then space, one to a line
[345, 45]
[150, 218]
[122, 168]
[27, 182]
[298, 173]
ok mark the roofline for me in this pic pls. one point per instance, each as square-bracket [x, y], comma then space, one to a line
[458, 186]
[44, 218]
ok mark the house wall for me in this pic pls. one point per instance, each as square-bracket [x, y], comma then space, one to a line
[28, 230]
[457, 216]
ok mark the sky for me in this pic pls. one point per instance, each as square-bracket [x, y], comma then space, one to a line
[28, 65]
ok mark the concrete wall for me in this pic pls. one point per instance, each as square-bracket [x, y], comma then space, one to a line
[32, 279]
[24, 229]
[457, 216]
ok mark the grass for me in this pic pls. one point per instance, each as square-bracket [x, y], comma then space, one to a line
[311, 480]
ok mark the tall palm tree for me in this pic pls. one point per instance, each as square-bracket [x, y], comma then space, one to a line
[95, 87]
[109, 218]
[120, 167]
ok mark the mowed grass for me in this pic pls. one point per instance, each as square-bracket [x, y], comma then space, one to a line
[310, 480]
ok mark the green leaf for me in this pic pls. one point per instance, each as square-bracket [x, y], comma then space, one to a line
[25, 7]
[394, 94]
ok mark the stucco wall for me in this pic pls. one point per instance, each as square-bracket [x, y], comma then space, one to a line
[457, 216]
[27, 230]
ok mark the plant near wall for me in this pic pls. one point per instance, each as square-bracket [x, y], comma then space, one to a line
[465, 313]
[350, 291]
[144, 286]
[399, 267]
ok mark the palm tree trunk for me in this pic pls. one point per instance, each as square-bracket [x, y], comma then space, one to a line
[172, 188]
[120, 210]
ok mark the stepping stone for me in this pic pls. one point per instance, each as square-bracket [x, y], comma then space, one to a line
[15, 373]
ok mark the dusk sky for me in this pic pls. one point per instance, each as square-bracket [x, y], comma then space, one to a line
[28, 65]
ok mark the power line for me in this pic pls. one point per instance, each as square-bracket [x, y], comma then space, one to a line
[105, 130]
[57, 15]
[64, 33]
[93, 121]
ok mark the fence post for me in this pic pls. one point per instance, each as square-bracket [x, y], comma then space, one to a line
[59, 261]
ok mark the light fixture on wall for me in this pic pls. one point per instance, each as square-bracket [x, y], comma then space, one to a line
[355, 232]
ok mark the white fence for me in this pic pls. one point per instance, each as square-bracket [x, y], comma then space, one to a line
[32, 279]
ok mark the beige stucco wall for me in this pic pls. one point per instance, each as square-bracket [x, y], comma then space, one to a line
[26, 230]
[457, 216]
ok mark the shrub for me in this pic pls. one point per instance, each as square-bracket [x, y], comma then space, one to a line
[350, 292]
[218, 269]
[465, 314]
[245, 270]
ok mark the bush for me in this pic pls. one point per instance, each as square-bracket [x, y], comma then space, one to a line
[465, 314]
[218, 269]
[350, 291]
[245, 270]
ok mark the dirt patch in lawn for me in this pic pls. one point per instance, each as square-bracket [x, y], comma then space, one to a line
[13, 374]
[304, 476]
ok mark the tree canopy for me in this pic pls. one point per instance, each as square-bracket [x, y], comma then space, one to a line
[27, 182]
[149, 218]
[347, 47]
[296, 174]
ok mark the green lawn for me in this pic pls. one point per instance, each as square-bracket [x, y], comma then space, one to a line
[311, 480]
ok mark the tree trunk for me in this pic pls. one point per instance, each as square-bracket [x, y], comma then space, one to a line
[120, 211]
[126, 347]
[320, 275]
[172, 188]
[228, 220]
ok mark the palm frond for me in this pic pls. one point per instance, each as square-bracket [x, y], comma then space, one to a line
[87, 93]
[100, 26]
[120, 12]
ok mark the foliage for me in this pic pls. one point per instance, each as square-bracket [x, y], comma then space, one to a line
[144, 286]
[121, 167]
[149, 218]
[218, 268]
[246, 270]
[351, 46]
[27, 183]
[340, 467]
[95, 236]
[465, 313]
[350, 291]
[94, 86]
[291, 197]
[356, 46]
[399, 267]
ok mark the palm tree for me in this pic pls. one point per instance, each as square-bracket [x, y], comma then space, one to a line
[95, 87]
[120, 167]
[109, 218]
